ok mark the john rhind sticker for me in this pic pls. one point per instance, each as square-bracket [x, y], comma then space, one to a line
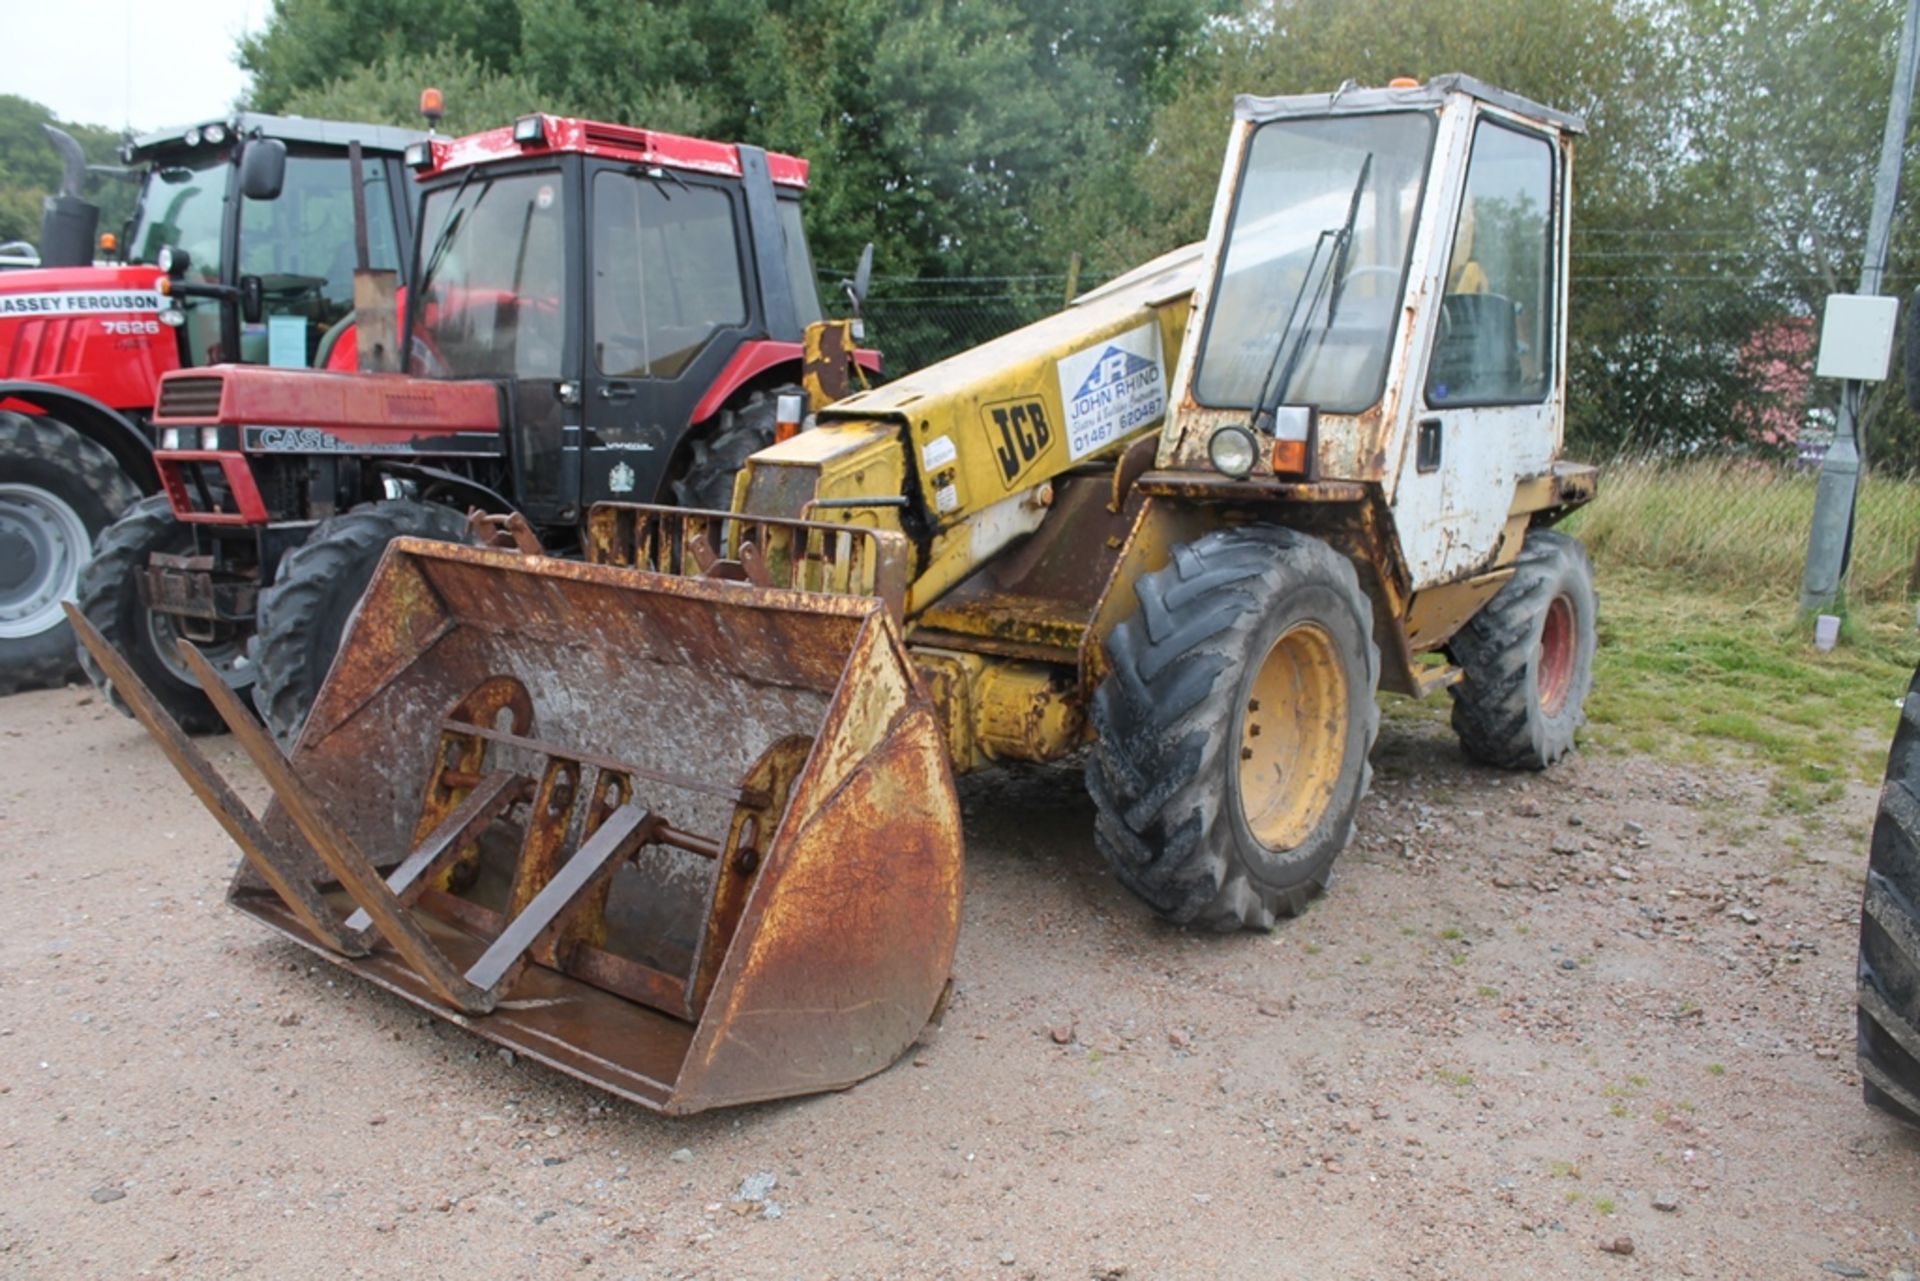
[1112, 389]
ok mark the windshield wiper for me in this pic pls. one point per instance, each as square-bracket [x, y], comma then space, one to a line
[1286, 356]
[443, 238]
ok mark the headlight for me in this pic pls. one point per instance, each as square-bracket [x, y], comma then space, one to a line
[1231, 451]
[174, 438]
[173, 317]
[209, 438]
[193, 138]
[215, 134]
[164, 259]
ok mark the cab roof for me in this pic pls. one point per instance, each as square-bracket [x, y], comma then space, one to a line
[1349, 98]
[567, 134]
[290, 129]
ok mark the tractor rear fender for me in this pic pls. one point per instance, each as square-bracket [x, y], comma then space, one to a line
[114, 431]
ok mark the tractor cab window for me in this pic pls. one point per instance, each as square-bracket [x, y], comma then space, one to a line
[490, 300]
[301, 247]
[1315, 262]
[1494, 344]
[666, 272]
[181, 205]
[806, 289]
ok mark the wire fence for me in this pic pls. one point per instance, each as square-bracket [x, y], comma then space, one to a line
[1691, 380]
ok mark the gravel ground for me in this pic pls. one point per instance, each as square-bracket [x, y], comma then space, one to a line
[1586, 1024]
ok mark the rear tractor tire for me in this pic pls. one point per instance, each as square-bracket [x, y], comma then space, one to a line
[1888, 996]
[715, 457]
[1232, 736]
[58, 491]
[314, 593]
[1527, 659]
[109, 595]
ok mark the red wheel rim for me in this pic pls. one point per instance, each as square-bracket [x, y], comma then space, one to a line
[1553, 673]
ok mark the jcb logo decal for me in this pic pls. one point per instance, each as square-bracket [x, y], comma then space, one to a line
[1020, 433]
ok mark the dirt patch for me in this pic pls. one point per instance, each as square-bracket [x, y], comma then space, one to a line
[1505, 1044]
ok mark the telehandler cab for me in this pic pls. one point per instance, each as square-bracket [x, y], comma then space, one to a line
[703, 781]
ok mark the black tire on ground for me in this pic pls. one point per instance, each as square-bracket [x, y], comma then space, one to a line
[109, 595]
[314, 592]
[1174, 720]
[1889, 990]
[715, 455]
[58, 491]
[1528, 659]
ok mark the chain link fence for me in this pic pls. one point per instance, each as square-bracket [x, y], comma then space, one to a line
[1690, 381]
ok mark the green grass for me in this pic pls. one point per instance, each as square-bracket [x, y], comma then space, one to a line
[1695, 672]
[1742, 524]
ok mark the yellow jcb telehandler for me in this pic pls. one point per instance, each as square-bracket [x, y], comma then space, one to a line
[680, 820]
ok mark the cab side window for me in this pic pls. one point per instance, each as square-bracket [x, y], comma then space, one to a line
[301, 245]
[666, 273]
[1495, 340]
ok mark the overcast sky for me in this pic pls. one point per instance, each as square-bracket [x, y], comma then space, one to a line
[119, 62]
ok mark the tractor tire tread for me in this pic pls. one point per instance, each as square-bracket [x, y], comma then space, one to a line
[118, 558]
[1495, 714]
[49, 659]
[291, 655]
[1888, 994]
[1153, 772]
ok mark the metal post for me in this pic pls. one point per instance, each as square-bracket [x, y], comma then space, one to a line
[1831, 541]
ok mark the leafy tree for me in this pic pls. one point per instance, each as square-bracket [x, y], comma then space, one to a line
[30, 168]
[309, 43]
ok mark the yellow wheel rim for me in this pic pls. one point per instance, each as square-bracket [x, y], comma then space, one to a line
[1292, 737]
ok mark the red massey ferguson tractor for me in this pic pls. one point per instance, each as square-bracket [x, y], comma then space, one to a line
[597, 312]
[258, 213]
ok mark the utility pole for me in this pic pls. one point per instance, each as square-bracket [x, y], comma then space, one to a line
[1831, 542]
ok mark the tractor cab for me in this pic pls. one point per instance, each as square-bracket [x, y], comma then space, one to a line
[609, 276]
[252, 223]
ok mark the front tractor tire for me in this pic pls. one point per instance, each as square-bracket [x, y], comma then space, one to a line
[109, 595]
[715, 456]
[58, 491]
[1888, 996]
[314, 592]
[1527, 659]
[1232, 736]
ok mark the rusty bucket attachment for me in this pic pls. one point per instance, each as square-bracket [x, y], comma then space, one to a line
[692, 840]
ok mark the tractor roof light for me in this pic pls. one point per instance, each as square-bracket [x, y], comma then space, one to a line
[530, 131]
[1232, 451]
[419, 156]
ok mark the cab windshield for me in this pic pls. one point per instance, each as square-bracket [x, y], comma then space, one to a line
[1315, 263]
[490, 300]
[182, 205]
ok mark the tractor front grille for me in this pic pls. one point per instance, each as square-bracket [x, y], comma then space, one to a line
[196, 397]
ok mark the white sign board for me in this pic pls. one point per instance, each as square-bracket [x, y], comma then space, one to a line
[1113, 389]
[1856, 337]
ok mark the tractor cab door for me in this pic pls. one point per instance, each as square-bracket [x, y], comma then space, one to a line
[300, 245]
[493, 298]
[668, 270]
[1488, 403]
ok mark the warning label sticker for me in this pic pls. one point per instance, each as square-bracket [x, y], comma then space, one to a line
[1113, 389]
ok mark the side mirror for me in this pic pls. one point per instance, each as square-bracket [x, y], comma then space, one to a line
[263, 169]
[253, 299]
[861, 282]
